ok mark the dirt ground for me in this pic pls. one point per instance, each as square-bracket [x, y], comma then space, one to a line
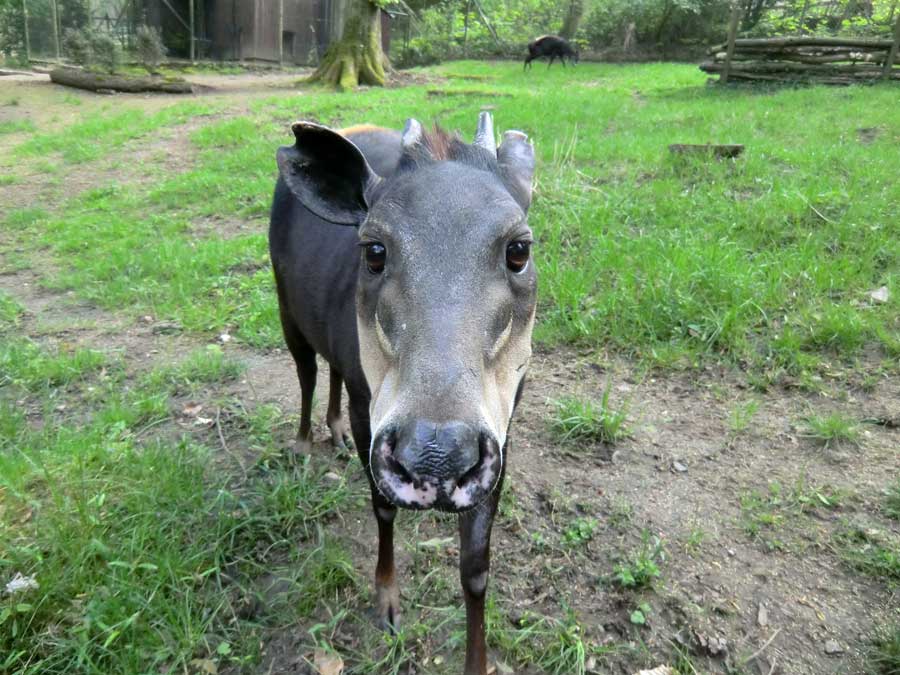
[776, 600]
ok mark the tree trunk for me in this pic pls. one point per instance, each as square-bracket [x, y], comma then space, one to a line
[573, 19]
[357, 58]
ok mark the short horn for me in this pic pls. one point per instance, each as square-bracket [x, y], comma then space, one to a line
[484, 136]
[412, 134]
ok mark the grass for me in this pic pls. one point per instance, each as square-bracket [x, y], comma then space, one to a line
[24, 363]
[884, 655]
[742, 415]
[870, 551]
[641, 568]
[98, 134]
[892, 501]
[765, 261]
[764, 514]
[15, 126]
[10, 312]
[555, 646]
[137, 542]
[579, 420]
[579, 532]
[207, 365]
[832, 429]
[136, 534]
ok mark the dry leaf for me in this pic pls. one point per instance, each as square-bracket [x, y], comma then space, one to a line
[205, 666]
[659, 670]
[191, 409]
[328, 664]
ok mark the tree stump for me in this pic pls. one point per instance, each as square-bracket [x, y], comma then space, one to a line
[357, 58]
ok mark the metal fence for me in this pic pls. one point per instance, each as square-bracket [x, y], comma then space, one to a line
[277, 31]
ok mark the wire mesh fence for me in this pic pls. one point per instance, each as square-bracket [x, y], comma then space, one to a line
[418, 32]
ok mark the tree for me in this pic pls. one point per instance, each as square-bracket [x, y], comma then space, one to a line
[573, 18]
[12, 30]
[357, 58]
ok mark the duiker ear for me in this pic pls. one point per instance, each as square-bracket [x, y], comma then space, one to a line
[327, 173]
[516, 159]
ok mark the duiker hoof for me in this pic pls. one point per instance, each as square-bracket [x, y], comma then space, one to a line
[302, 447]
[340, 435]
[387, 608]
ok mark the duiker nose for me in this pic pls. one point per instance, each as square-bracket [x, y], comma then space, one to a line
[441, 452]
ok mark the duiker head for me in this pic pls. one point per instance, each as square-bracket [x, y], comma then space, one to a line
[446, 298]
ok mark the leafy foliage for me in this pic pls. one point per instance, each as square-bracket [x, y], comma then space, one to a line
[77, 45]
[107, 51]
[625, 28]
[149, 47]
[12, 31]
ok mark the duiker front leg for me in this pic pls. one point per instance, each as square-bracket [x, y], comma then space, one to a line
[340, 434]
[387, 592]
[305, 360]
[474, 562]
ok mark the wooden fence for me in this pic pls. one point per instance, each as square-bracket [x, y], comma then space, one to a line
[822, 60]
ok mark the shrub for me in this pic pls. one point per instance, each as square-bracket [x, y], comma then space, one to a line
[149, 47]
[77, 44]
[107, 52]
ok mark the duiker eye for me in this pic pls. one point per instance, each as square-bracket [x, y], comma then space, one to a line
[517, 253]
[376, 254]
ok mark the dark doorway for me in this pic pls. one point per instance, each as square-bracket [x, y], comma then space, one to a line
[287, 41]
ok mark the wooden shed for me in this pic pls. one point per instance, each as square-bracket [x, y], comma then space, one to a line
[297, 31]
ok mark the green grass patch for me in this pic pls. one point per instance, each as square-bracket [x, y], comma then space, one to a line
[15, 126]
[579, 532]
[741, 415]
[22, 218]
[24, 363]
[578, 420]
[873, 552]
[884, 656]
[139, 544]
[766, 261]
[206, 365]
[764, 514]
[641, 568]
[10, 312]
[97, 135]
[892, 501]
[555, 646]
[832, 429]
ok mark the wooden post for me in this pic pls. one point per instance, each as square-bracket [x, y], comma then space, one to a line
[27, 39]
[732, 36]
[280, 37]
[803, 16]
[466, 32]
[191, 27]
[892, 55]
[54, 15]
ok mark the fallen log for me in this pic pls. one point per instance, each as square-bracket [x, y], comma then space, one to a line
[800, 70]
[86, 79]
[720, 151]
[805, 41]
[849, 57]
[841, 81]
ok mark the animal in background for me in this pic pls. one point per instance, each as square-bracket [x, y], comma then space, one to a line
[552, 47]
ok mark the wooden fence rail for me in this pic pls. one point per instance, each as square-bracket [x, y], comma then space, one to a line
[822, 60]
